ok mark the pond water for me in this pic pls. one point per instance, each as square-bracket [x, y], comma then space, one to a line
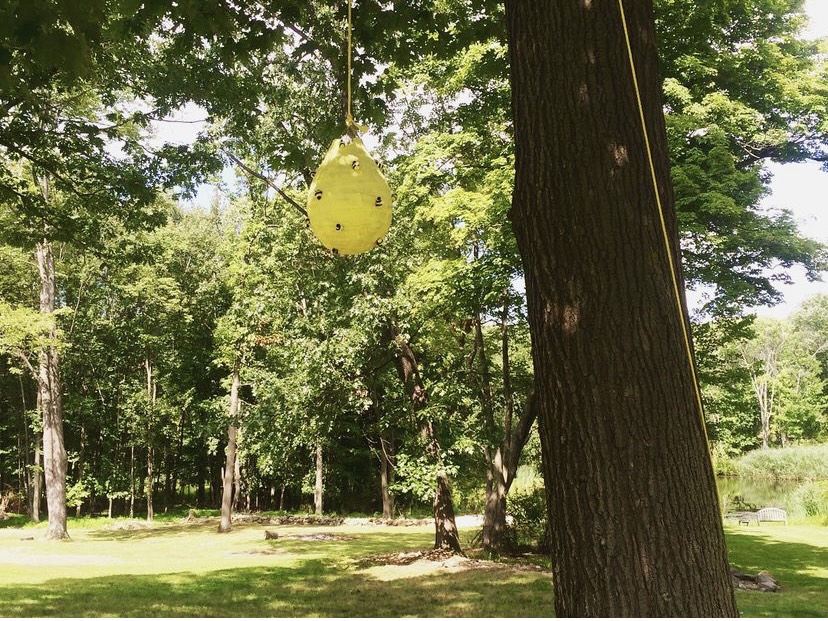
[743, 494]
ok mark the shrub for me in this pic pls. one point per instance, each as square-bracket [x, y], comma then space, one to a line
[802, 463]
[529, 526]
[724, 464]
[809, 499]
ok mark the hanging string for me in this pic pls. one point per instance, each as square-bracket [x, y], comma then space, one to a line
[349, 119]
[673, 272]
[354, 128]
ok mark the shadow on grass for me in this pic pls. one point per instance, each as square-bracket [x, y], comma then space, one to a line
[801, 569]
[14, 521]
[307, 588]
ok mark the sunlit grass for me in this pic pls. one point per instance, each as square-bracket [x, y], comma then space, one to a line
[796, 555]
[188, 570]
[177, 570]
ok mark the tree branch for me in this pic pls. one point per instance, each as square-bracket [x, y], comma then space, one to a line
[269, 182]
[520, 435]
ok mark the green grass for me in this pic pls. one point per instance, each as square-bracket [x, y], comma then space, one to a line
[796, 555]
[188, 570]
[178, 570]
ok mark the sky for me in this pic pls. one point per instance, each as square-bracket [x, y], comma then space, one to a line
[801, 188]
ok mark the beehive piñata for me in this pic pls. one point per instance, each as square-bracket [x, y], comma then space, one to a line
[349, 202]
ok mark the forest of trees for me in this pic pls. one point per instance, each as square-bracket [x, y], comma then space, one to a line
[155, 353]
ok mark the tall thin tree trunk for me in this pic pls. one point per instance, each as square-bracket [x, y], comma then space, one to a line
[230, 454]
[132, 482]
[81, 466]
[176, 459]
[386, 477]
[624, 447]
[49, 390]
[25, 471]
[203, 474]
[318, 488]
[151, 398]
[36, 480]
[150, 482]
[237, 476]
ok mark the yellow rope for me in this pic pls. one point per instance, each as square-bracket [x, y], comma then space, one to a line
[667, 245]
[354, 128]
[349, 119]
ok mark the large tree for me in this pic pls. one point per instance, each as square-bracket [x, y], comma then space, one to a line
[632, 497]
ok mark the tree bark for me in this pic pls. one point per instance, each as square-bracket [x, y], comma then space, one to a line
[318, 487]
[230, 455]
[50, 399]
[630, 487]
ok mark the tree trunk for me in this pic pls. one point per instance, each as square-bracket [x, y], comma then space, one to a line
[237, 477]
[81, 466]
[151, 398]
[317, 490]
[36, 480]
[503, 465]
[149, 483]
[203, 474]
[132, 482]
[230, 455]
[494, 513]
[386, 477]
[445, 527]
[631, 491]
[503, 460]
[49, 391]
[26, 471]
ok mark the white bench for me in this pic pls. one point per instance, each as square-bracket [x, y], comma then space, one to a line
[771, 514]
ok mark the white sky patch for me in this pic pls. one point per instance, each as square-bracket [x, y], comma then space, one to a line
[817, 11]
[181, 128]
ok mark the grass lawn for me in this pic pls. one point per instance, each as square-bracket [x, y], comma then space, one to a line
[796, 555]
[188, 570]
[178, 570]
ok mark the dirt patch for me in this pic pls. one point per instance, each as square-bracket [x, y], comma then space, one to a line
[373, 521]
[440, 559]
[319, 537]
[293, 520]
[129, 525]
